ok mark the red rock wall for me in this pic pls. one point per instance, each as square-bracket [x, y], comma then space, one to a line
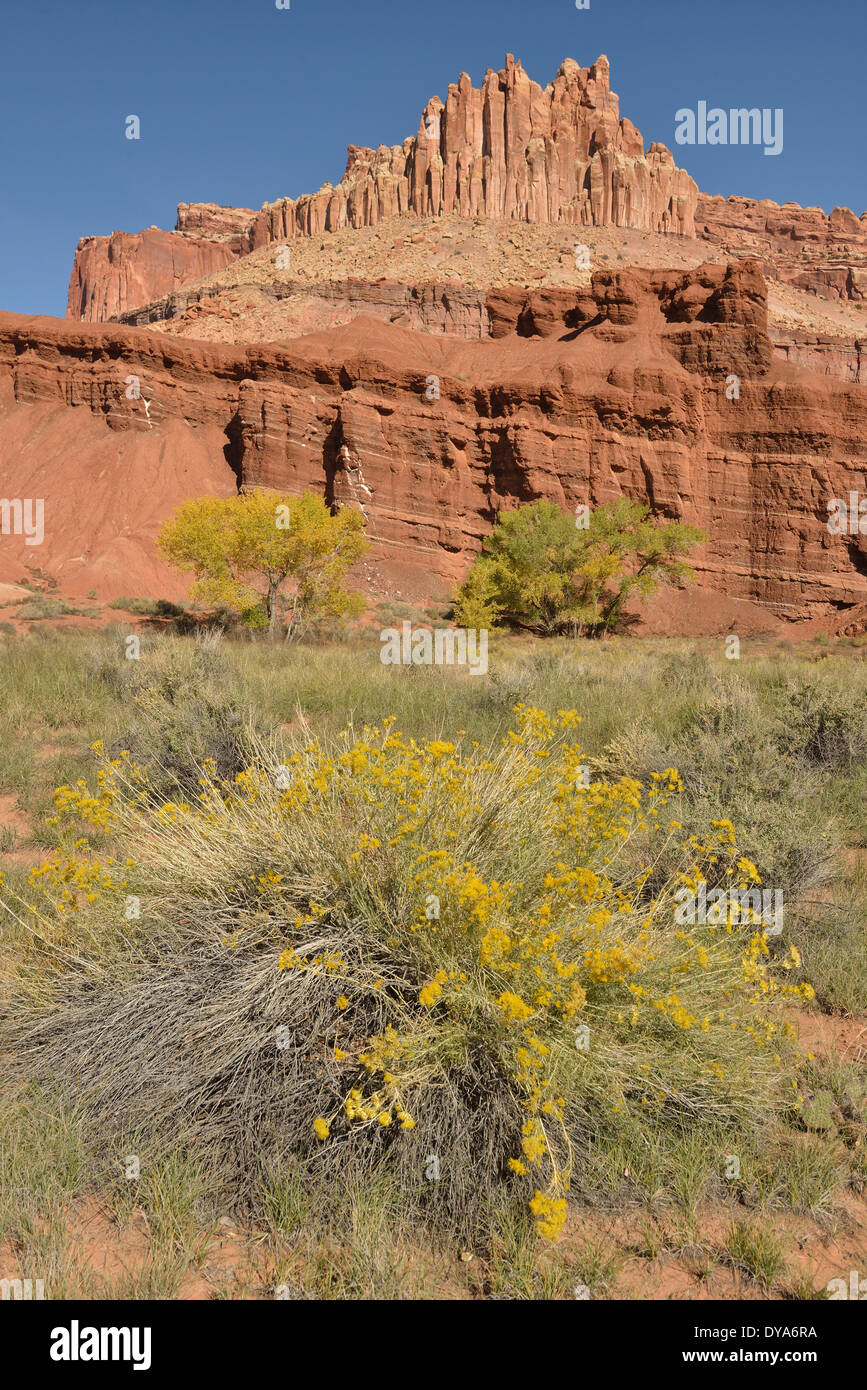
[450, 308]
[823, 354]
[580, 397]
[780, 225]
[825, 253]
[510, 150]
[112, 274]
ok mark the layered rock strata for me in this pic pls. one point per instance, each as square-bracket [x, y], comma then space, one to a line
[660, 385]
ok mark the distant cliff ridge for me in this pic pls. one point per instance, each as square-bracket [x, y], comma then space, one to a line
[509, 150]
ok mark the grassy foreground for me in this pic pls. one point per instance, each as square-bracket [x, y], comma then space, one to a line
[379, 959]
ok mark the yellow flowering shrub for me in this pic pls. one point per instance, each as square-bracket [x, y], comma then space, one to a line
[509, 904]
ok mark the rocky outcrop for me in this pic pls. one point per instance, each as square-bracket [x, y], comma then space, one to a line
[217, 223]
[510, 150]
[824, 354]
[455, 309]
[779, 225]
[458, 310]
[109, 274]
[827, 281]
[660, 385]
[825, 253]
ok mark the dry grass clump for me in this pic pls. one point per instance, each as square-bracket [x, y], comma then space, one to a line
[176, 711]
[462, 964]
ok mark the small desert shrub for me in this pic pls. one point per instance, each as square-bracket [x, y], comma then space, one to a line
[134, 605]
[734, 749]
[150, 607]
[756, 1250]
[36, 609]
[178, 710]
[370, 950]
[827, 723]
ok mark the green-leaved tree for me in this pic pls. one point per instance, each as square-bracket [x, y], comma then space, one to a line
[270, 557]
[544, 569]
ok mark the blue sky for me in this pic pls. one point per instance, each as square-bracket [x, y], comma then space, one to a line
[241, 102]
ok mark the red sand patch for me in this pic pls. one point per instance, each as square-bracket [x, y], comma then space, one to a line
[107, 494]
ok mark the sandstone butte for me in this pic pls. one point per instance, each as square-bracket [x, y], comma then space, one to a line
[579, 393]
[510, 150]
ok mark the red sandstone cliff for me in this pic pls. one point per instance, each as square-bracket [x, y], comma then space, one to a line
[578, 396]
[777, 225]
[109, 274]
[825, 253]
[510, 149]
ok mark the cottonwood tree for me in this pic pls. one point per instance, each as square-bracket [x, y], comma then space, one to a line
[272, 558]
[540, 570]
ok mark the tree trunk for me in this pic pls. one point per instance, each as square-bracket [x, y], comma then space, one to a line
[271, 609]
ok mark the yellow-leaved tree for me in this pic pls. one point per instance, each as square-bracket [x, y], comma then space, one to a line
[270, 557]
